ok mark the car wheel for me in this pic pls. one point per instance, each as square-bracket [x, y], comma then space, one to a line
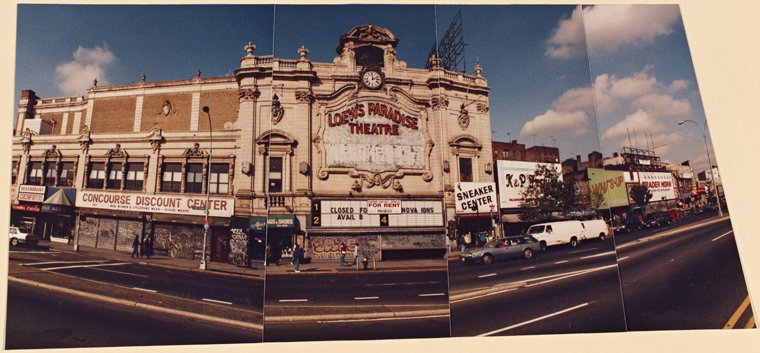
[602, 237]
[527, 253]
[543, 245]
[14, 241]
[573, 242]
[487, 259]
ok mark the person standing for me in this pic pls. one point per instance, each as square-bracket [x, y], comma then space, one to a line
[136, 246]
[148, 247]
[343, 250]
[297, 257]
[356, 253]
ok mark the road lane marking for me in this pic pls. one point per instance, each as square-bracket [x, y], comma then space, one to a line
[119, 272]
[432, 294]
[144, 289]
[598, 255]
[737, 314]
[31, 252]
[623, 258]
[488, 275]
[84, 266]
[400, 284]
[383, 319]
[293, 300]
[483, 296]
[527, 268]
[216, 301]
[562, 262]
[584, 250]
[727, 233]
[366, 298]
[63, 262]
[560, 277]
[532, 320]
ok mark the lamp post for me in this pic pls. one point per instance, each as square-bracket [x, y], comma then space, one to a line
[709, 161]
[203, 264]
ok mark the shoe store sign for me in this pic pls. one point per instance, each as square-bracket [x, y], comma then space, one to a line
[171, 204]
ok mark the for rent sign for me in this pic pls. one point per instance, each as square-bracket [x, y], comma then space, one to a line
[173, 204]
[475, 197]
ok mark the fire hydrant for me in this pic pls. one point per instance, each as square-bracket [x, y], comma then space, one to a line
[365, 262]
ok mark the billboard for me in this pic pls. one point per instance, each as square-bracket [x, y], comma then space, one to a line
[661, 185]
[610, 185]
[475, 198]
[514, 177]
[219, 206]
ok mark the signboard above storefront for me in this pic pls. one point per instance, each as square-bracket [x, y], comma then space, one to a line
[472, 198]
[661, 185]
[218, 206]
[356, 213]
[514, 176]
[272, 221]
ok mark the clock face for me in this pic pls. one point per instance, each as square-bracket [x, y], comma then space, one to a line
[372, 79]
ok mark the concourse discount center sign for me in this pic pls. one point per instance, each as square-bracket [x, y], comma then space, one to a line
[171, 204]
[475, 198]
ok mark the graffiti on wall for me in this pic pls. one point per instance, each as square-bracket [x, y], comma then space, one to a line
[239, 247]
[328, 247]
[430, 241]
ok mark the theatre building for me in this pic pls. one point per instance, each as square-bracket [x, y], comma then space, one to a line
[361, 149]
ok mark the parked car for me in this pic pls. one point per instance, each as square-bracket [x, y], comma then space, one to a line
[557, 233]
[17, 236]
[632, 224]
[595, 228]
[524, 246]
[656, 219]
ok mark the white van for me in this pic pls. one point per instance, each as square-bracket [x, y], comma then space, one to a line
[595, 228]
[557, 233]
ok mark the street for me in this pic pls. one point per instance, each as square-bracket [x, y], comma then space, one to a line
[680, 276]
[125, 302]
[357, 305]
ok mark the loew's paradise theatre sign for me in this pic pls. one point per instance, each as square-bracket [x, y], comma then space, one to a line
[218, 206]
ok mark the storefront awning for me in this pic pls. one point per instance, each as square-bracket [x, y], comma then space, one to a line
[58, 202]
[273, 221]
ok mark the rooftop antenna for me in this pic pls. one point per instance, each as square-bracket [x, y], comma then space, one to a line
[629, 136]
[636, 138]
[450, 49]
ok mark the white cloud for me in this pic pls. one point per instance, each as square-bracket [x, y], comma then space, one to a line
[76, 76]
[557, 123]
[610, 27]
[580, 98]
[677, 86]
[662, 105]
[640, 122]
[568, 39]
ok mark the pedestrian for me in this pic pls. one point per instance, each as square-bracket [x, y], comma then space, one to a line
[483, 238]
[297, 257]
[343, 250]
[356, 254]
[268, 259]
[148, 247]
[136, 247]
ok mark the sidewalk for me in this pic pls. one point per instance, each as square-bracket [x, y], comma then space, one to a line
[333, 266]
[255, 271]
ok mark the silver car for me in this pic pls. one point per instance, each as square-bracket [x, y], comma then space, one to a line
[524, 246]
[17, 236]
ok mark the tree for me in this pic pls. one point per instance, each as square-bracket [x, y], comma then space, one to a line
[546, 194]
[640, 195]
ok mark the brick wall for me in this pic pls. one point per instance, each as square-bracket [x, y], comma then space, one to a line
[112, 115]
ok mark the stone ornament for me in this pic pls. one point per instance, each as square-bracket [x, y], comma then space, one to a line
[277, 110]
[482, 108]
[464, 118]
[303, 52]
[249, 48]
[439, 102]
[116, 152]
[196, 151]
[51, 152]
[84, 138]
[167, 109]
[249, 94]
[26, 139]
[155, 137]
[304, 96]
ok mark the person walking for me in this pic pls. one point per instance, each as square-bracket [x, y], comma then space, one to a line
[356, 253]
[297, 257]
[343, 250]
[136, 246]
[148, 247]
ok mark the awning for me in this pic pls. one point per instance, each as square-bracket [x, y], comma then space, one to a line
[59, 202]
[273, 221]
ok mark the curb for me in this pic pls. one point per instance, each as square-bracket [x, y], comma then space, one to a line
[354, 272]
[134, 304]
[385, 315]
[672, 232]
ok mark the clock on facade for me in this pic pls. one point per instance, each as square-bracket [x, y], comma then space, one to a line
[372, 79]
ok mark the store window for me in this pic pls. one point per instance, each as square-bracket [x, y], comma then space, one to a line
[194, 179]
[220, 178]
[50, 171]
[171, 179]
[67, 174]
[35, 173]
[135, 173]
[465, 169]
[114, 177]
[97, 175]
[275, 174]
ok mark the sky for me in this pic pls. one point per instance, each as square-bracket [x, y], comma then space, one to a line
[559, 76]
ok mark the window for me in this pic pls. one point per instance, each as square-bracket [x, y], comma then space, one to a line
[506, 154]
[171, 180]
[114, 177]
[50, 171]
[220, 178]
[67, 174]
[465, 169]
[369, 55]
[194, 179]
[275, 174]
[35, 173]
[135, 174]
[14, 172]
[97, 175]
[522, 155]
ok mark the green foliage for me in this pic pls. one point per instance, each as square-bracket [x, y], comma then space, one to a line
[546, 194]
[640, 195]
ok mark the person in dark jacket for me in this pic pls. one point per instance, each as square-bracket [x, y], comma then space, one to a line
[297, 257]
[148, 247]
[136, 246]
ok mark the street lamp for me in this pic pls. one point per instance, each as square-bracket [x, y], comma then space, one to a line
[709, 161]
[203, 264]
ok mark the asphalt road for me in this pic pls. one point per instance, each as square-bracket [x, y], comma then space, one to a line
[359, 329]
[691, 280]
[42, 319]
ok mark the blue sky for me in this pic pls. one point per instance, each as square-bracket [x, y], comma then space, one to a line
[534, 58]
